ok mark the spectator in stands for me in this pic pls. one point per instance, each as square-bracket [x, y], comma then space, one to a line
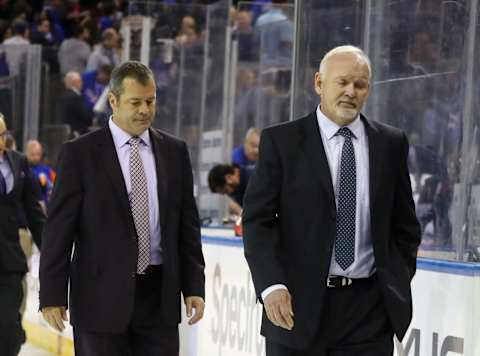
[105, 53]
[18, 198]
[21, 31]
[275, 33]
[15, 56]
[72, 108]
[246, 155]
[188, 31]
[56, 13]
[74, 52]
[94, 84]
[232, 180]
[110, 18]
[43, 34]
[247, 48]
[44, 174]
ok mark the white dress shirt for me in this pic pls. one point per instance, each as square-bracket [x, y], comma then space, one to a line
[7, 172]
[364, 263]
[123, 148]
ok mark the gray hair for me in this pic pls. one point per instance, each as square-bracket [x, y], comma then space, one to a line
[251, 131]
[131, 69]
[362, 56]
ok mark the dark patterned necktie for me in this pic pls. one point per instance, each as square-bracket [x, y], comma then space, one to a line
[347, 198]
[3, 184]
[139, 205]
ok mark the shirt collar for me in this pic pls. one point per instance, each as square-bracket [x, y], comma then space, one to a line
[121, 138]
[330, 128]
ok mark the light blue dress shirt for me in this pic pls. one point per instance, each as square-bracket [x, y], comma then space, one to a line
[364, 264]
[120, 139]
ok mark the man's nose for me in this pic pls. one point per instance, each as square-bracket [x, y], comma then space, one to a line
[143, 108]
[350, 90]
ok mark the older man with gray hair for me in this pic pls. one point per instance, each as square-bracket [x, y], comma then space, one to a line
[72, 108]
[329, 223]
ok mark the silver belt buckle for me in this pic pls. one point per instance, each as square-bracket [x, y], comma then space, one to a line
[329, 285]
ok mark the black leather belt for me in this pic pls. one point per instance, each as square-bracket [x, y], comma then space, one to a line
[338, 281]
[341, 281]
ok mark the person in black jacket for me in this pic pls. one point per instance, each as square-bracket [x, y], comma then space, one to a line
[123, 202]
[18, 205]
[329, 223]
[72, 108]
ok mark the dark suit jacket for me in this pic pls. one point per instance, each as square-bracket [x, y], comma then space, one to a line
[289, 222]
[22, 200]
[90, 212]
[72, 110]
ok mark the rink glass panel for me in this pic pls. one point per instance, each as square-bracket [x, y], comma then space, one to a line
[190, 65]
[426, 82]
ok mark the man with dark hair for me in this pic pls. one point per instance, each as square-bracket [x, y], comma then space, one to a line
[21, 31]
[16, 46]
[74, 52]
[18, 205]
[232, 180]
[123, 202]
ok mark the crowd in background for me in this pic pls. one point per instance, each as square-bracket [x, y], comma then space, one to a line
[81, 43]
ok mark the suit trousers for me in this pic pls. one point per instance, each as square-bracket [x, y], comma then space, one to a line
[26, 243]
[354, 322]
[147, 334]
[12, 335]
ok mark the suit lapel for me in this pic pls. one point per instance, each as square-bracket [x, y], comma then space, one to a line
[15, 167]
[160, 151]
[112, 167]
[376, 150]
[315, 152]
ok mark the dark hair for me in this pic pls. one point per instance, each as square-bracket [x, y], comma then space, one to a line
[131, 69]
[19, 27]
[216, 176]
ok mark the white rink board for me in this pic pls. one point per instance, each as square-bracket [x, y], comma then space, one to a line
[446, 297]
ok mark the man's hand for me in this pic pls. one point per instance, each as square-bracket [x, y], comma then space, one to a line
[55, 316]
[196, 303]
[278, 305]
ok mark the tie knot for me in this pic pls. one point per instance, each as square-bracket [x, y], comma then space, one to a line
[134, 141]
[345, 132]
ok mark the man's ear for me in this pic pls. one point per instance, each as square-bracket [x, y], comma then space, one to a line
[112, 100]
[318, 83]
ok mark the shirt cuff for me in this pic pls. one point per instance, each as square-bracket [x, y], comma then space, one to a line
[272, 288]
